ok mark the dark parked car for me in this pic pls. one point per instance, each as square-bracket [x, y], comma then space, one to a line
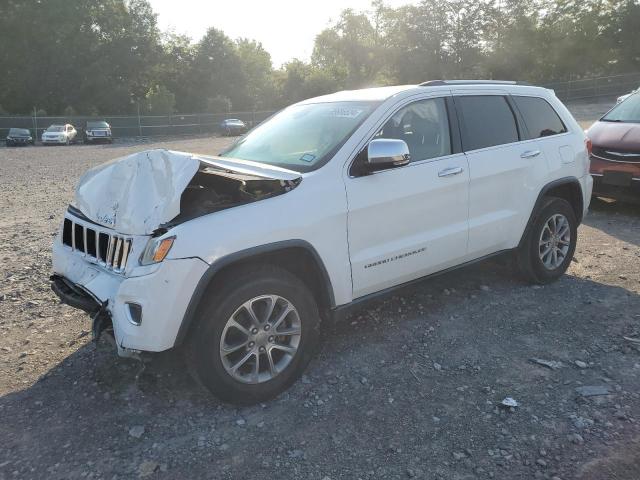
[97, 131]
[233, 126]
[615, 155]
[19, 136]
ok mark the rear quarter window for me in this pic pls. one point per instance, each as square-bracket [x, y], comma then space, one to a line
[539, 117]
[488, 121]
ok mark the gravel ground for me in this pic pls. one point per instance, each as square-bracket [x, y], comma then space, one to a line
[408, 387]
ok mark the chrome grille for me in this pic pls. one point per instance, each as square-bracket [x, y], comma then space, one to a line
[109, 250]
[613, 155]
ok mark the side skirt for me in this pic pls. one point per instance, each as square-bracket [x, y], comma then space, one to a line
[342, 311]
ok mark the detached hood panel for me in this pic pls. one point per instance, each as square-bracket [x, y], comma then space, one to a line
[137, 194]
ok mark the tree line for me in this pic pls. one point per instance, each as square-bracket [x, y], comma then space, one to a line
[110, 57]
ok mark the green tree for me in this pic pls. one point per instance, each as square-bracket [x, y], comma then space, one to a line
[257, 69]
[216, 70]
[159, 100]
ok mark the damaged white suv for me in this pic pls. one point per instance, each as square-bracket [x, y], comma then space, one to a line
[332, 201]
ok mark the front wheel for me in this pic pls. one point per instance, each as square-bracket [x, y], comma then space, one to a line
[546, 252]
[255, 335]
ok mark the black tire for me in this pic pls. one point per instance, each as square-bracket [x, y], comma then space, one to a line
[530, 265]
[203, 345]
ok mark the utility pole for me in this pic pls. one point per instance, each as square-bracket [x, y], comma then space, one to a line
[35, 121]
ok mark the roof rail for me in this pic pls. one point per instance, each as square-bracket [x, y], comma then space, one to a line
[434, 83]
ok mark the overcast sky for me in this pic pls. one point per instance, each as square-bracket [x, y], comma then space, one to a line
[286, 28]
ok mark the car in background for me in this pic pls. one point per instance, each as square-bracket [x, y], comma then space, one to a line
[615, 154]
[622, 98]
[97, 131]
[59, 135]
[233, 126]
[19, 136]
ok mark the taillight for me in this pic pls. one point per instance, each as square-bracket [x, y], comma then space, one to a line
[589, 145]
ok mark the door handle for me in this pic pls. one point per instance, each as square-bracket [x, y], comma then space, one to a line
[450, 171]
[530, 154]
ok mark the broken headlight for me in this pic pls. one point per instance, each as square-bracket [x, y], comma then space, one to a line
[156, 250]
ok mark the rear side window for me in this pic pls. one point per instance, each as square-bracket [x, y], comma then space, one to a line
[488, 121]
[539, 117]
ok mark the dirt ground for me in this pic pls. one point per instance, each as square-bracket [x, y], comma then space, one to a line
[408, 387]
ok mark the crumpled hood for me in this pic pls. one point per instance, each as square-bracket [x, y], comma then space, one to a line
[138, 193]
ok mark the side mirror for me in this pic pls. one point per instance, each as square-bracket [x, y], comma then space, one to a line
[383, 153]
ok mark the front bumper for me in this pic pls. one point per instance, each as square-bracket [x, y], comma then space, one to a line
[627, 193]
[616, 179]
[56, 141]
[18, 141]
[98, 138]
[162, 293]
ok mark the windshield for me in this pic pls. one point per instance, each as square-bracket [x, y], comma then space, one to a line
[626, 111]
[97, 125]
[55, 128]
[302, 137]
[19, 131]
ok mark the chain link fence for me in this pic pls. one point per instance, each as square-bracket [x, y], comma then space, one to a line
[209, 123]
[136, 126]
[595, 87]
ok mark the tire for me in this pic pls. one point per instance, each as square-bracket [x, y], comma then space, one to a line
[214, 328]
[533, 264]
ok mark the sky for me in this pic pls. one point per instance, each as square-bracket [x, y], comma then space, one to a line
[286, 28]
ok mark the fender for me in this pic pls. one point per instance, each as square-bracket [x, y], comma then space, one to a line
[215, 267]
[543, 192]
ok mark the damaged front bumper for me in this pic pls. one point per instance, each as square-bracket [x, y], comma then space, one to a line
[145, 307]
[75, 296]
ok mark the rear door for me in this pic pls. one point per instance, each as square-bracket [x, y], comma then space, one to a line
[407, 222]
[505, 169]
[544, 124]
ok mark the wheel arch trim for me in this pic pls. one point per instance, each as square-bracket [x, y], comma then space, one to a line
[230, 259]
[573, 181]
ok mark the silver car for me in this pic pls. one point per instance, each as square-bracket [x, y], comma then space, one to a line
[59, 135]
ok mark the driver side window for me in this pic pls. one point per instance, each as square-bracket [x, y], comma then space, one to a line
[424, 126]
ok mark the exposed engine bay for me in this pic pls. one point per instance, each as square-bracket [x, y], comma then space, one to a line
[213, 189]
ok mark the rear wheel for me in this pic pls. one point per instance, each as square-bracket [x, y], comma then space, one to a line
[255, 336]
[550, 244]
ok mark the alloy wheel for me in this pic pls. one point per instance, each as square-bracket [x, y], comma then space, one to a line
[260, 339]
[555, 240]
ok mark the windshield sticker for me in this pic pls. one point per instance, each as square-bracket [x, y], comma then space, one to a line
[307, 157]
[345, 112]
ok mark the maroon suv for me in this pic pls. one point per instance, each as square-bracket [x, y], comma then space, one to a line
[615, 155]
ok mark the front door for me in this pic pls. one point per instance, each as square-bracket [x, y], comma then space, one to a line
[410, 221]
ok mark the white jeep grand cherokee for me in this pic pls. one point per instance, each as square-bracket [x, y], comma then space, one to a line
[330, 202]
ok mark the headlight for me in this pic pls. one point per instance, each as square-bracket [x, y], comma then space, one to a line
[156, 250]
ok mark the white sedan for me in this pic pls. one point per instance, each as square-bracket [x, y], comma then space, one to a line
[59, 135]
